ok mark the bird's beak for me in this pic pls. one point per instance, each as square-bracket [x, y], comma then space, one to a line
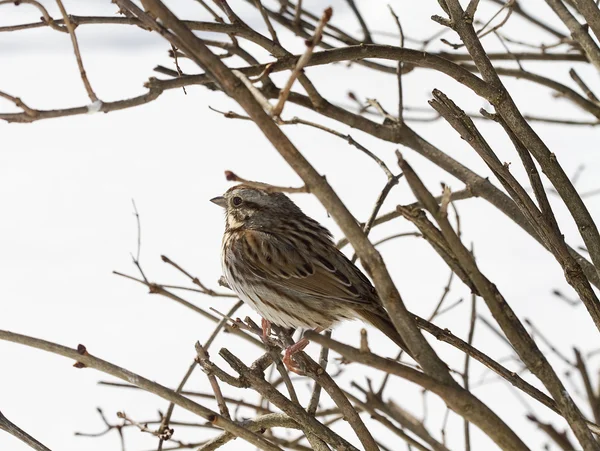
[220, 201]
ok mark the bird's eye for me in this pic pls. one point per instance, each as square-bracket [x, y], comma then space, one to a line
[236, 201]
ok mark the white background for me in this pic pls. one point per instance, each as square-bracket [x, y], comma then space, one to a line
[66, 190]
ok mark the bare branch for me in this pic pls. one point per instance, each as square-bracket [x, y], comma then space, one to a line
[7, 426]
[106, 367]
[468, 407]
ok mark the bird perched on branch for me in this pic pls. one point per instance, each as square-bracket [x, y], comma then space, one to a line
[285, 265]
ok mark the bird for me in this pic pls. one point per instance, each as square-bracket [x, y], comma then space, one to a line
[285, 266]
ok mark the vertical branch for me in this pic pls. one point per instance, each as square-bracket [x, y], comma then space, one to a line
[313, 404]
[399, 68]
[273, 351]
[298, 14]
[467, 361]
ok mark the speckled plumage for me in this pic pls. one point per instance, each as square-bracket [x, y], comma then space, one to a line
[286, 267]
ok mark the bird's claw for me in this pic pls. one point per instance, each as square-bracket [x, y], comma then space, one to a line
[288, 356]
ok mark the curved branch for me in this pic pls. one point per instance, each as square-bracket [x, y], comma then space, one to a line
[460, 72]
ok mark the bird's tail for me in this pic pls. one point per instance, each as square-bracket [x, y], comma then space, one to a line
[384, 324]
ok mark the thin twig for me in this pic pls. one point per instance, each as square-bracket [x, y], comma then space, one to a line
[588, 92]
[203, 355]
[20, 104]
[204, 289]
[265, 17]
[71, 28]
[392, 181]
[472, 322]
[233, 177]
[399, 67]
[316, 394]
[164, 425]
[363, 25]
[310, 46]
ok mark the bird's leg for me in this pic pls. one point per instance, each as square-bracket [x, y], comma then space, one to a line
[294, 349]
[266, 329]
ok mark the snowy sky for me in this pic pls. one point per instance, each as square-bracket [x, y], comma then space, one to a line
[66, 190]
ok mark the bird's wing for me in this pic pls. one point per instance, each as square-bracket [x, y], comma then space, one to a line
[322, 272]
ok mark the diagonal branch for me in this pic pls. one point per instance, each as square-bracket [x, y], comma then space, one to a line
[578, 31]
[89, 361]
[542, 218]
[507, 109]
[71, 28]
[14, 430]
[461, 401]
[514, 330]
[368, 39]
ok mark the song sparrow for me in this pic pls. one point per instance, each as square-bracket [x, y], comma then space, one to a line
[287, 268]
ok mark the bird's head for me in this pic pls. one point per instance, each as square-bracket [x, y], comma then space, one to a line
[250, 207]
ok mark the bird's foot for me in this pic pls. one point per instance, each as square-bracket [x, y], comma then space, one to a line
[288, 356]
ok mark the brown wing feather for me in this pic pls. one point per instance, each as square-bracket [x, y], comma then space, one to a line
[320, 272]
